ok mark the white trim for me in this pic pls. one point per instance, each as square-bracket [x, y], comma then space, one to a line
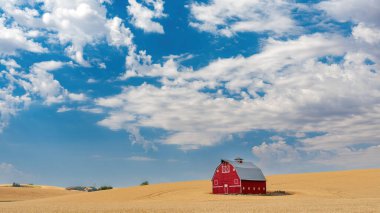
[227, 186]
[226, 168]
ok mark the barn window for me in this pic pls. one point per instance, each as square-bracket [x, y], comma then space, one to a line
[249, 188]
[243, 188]
[254, 188]
[215, 182]
[225, 168]
[236, 181]
[263, 188]
[259, 188]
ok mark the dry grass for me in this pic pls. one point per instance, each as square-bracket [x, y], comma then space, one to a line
[346, 191]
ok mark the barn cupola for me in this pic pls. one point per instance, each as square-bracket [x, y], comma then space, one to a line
[239, 160]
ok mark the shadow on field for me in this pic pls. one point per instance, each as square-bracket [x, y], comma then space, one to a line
[277, 193]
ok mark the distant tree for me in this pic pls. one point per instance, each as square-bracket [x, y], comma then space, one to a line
[105, 188]
[82, 188]
[144, 183]
[14, 184]
[78, 188]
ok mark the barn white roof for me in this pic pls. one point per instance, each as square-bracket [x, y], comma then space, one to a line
[247, 170]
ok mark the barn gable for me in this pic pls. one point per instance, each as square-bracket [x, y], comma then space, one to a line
[238, 177]
[247, 170]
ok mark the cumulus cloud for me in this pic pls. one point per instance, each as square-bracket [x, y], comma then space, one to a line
[365, 11]
[315, 83]
[77, 23]
[73, 24]
[367, 34]
[227, 17]
[145, 13]
[320, 82]
[118, 35]
[276, 154]
[9, 63]
[13, 38]
[22, 13]
[41, 82]
[37, 83]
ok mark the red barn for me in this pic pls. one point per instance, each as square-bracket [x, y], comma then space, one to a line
[238, 177]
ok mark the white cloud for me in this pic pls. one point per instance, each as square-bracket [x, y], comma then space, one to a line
[92, 81]
[102, 65]
[82, 109]
[119, 35]
[144, 13]
[315, 83]
[227, 17]
[91, 110]
[84, 22]
[77, 23]
[349, 158]
[9, 173]
[72, 24]
[140, 158]
[365, 11]
[367, 34]
[10, 104]
[13, 38]
[9, 63]
[77, 97]
[276, 154]
[41, 82]
[64, 109]
[22, 13]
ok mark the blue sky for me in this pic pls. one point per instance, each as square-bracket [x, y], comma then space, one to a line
[97, 92]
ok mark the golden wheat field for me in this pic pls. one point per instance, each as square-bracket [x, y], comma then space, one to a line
[343, 191]
[29, 192]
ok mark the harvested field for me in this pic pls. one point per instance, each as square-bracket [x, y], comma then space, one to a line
[344, 191]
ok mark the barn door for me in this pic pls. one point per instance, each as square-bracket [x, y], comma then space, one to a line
[225, 188]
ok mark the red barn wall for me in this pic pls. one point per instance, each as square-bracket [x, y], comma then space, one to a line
[226, 181]
[253, 187]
